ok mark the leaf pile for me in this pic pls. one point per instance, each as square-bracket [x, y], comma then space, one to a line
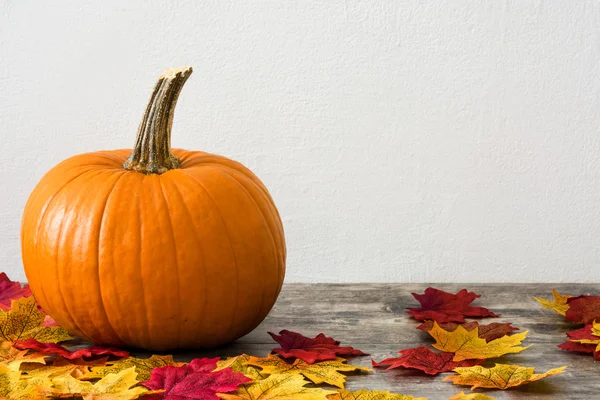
[300, 361]
[583, 310]
[464, 345]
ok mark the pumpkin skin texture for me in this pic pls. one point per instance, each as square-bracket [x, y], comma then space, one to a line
[193, 257]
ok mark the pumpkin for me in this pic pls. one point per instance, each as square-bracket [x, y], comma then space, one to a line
[154, 248]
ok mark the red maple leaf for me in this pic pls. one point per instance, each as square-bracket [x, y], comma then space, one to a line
[426, 360]
[311, 350]
[10, 291]
[53, 348]
[196, 380]
[441, 306]
[583, 309]
[578, 334]
[491, 331]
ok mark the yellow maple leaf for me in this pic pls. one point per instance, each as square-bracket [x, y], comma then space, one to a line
[121, 386]
[501, 376]
[53, 371]
[595, 332]
[143, 367]
[24, 321]
[13, 358]
[280, 387]
[558, 305]
[320, 372]
[596, 328]
[364, 394]
[467, 345]
[240, 364]
[472, 396]
[13, 387]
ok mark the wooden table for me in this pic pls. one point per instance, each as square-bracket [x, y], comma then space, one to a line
[372, 317]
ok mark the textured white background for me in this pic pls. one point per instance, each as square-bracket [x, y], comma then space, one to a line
[402, 140]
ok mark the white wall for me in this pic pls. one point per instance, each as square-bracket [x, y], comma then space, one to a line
[402, 140]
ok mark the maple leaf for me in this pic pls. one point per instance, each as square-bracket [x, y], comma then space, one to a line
[501, 376]
[441, 306]
[468, 345]
[583, 333]
[121, 386]
[277, 387]
[240, 364]
[583, 309]
[472, 396]
[54, 371]
[592, 338]
[364, 394]
[197, 380]
[494, 330]
[25, 321]
[13, 358]
[321, 372]
[580, 348]
[311, 350]
[12, 387]
[558, 305]
[143, 366]
[53, 348]
[10, 290]
[424, 359]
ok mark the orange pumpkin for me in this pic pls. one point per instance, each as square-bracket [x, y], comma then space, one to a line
[153, 248]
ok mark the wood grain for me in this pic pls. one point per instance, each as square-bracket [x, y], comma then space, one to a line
[372, 317]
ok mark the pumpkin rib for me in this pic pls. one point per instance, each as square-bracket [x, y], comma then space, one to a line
[274, 244]
[172, 230]
[143, 289]
[236, 175]
[189, 214]
[262, 294]
[190, 160]
[93, 193]
[57, 266]
[235, 262]
[206, 159]
[156, 277]
[42, 214]
[239, 168]
[98, 280]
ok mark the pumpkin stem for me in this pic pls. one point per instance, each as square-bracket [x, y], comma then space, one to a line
[152, 151]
